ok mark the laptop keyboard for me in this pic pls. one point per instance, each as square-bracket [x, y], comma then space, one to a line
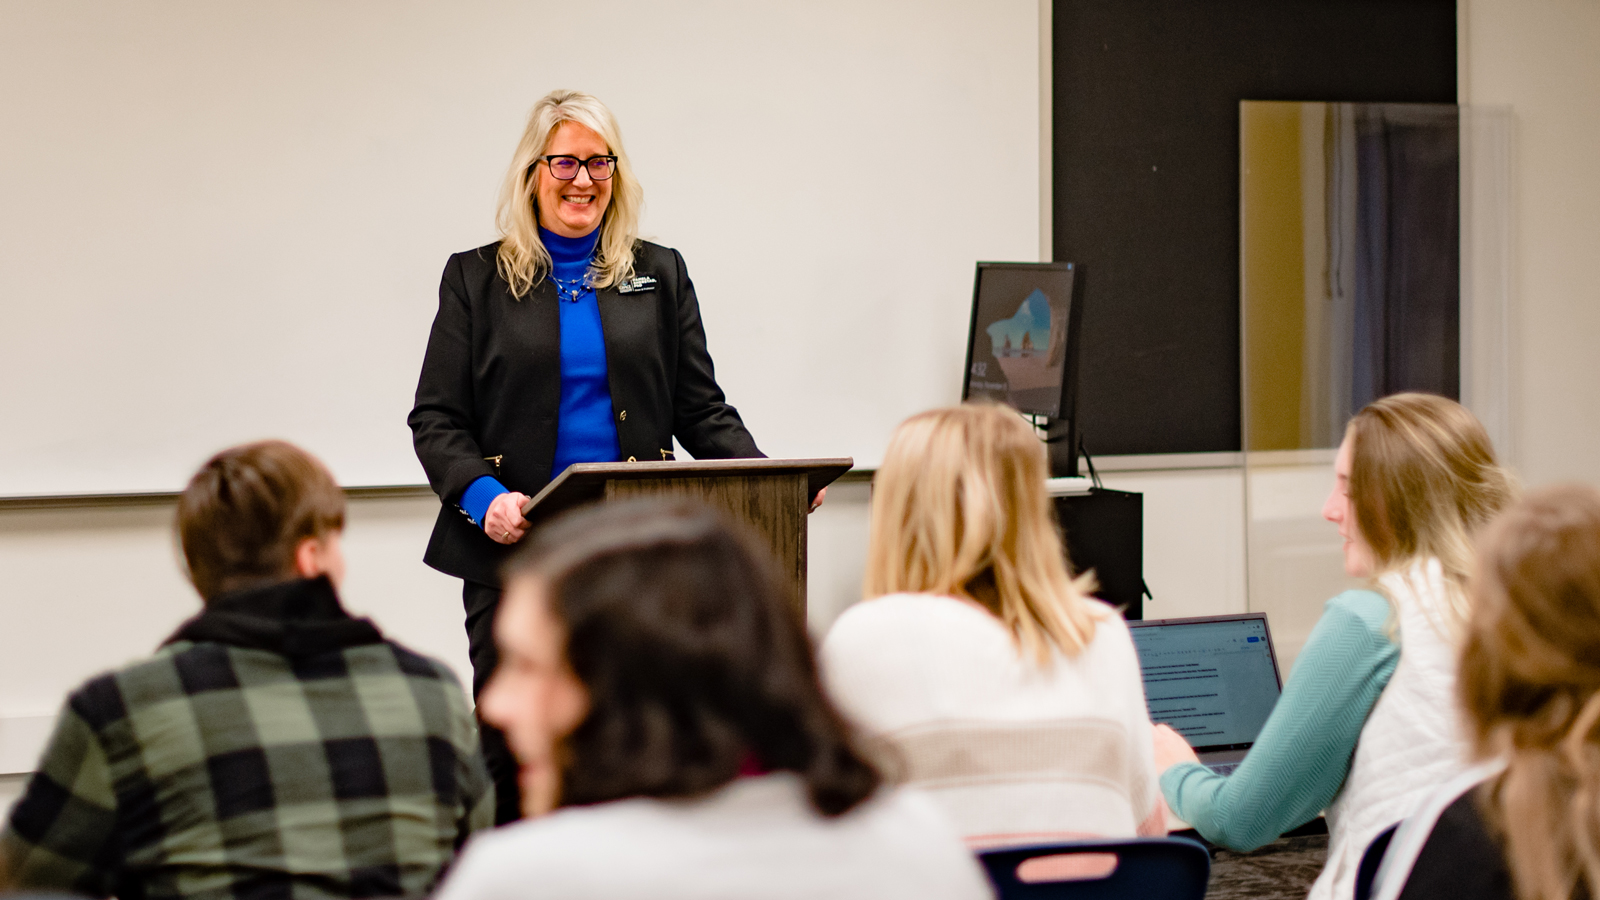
[1222, 768]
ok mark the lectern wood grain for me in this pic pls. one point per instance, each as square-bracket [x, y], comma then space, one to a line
[773, 506]
[770, 496]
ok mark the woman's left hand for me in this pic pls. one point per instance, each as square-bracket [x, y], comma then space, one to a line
[1171, 748]
[823, 492]
[503, 523]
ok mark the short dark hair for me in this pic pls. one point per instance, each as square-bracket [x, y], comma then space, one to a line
[693, 659]
[242, 514]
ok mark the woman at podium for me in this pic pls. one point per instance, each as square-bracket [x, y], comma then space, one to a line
[568, 340]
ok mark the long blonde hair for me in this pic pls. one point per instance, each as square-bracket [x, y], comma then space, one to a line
[523, 259]
[959, 508]
[1530, 685]
[1423, 481]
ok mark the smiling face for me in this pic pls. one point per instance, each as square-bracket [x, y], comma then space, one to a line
[1339, 511]
[534, 696]
[572, 208]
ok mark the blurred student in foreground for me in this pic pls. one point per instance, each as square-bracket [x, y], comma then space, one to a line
[1526, 823]
[274, 746]
[996, 683]
[661, 699]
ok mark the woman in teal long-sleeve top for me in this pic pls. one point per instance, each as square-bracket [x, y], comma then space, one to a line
[1417, 473]
[1303, 753]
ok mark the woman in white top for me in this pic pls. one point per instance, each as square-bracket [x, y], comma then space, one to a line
[662, 702]
[989, 677]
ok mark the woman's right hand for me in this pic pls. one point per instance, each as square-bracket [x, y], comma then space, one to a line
[1171, 748]
[504, 523]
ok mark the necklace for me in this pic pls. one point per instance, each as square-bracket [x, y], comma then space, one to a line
[570, 289]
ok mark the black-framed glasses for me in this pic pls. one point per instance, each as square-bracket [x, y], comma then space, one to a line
[566, 167]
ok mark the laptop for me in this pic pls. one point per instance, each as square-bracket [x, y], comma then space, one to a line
[1212, 678]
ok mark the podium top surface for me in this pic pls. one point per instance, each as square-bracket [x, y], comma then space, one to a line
[585, 482]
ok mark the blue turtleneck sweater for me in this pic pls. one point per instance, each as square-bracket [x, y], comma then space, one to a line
[585, 430]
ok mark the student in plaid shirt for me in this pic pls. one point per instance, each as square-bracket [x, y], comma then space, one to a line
[274, 746]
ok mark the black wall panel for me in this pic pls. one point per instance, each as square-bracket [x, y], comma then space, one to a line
[1146, 180]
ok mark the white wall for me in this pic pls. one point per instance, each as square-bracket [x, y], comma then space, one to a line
[11, 787]
[836, 554]
[1541, 58]
[236, 213]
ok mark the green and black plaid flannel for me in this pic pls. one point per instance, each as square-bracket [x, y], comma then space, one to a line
[275, 747]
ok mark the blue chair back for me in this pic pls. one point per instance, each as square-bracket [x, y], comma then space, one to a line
[1143, 869]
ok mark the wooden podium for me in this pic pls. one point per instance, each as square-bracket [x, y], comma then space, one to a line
[770, 496]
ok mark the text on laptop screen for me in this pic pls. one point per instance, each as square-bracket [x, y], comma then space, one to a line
[1215, 682]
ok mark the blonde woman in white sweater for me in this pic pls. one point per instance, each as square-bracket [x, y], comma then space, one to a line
[987, 675]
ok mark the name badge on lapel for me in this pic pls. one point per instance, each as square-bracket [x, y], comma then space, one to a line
[638, 284]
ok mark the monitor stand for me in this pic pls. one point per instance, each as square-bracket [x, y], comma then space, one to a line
[1061, 445]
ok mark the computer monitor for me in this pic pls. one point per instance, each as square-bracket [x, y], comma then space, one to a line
[1022, 349]
[1213, 678]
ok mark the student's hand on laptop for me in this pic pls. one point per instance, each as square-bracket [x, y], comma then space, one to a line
[1171, 748]
[504, 522]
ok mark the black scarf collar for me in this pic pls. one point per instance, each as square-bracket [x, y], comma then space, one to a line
[295, 618]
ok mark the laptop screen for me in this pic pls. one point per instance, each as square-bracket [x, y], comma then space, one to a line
[1214, 679]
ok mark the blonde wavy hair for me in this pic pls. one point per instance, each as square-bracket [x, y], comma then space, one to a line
[1423, 481]
[523, 259]
[1530, 686]
[959, 508]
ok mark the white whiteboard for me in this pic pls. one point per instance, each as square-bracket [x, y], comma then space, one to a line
[226, 221]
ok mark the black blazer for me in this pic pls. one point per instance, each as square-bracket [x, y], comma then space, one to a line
[491, 387]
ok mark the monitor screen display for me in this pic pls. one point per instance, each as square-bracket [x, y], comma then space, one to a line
[1214, 680]
[1022, 346]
